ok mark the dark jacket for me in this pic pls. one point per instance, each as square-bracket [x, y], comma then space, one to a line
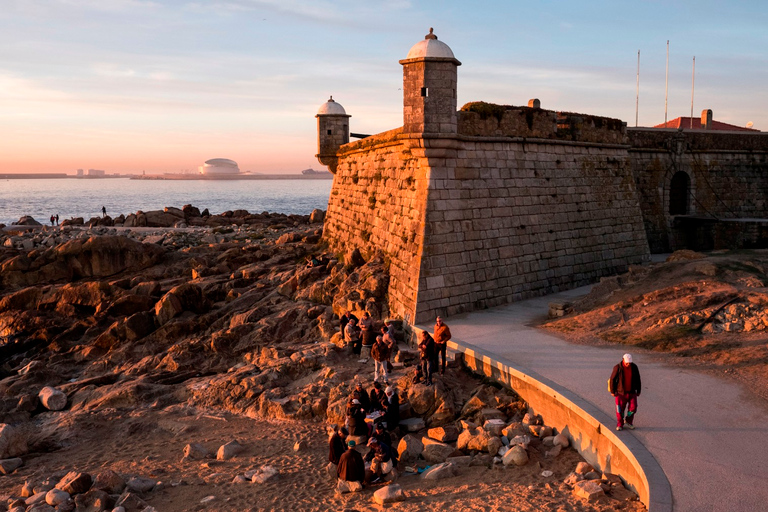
[380, 450]
[617, 381]
[344, 320]
[378, 399]
[336, 448]
[351, 467]
[356, 421]
[380, 351]
[383, 437]
[427, 349]
[392, 412]
[362, 396]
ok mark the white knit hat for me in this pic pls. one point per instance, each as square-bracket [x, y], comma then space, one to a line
[627, 358]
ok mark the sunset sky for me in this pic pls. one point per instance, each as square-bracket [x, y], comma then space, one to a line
[161, 86]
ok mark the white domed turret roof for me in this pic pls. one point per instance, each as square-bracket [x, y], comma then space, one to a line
[222, 162]
[331, 108]
[430, 47]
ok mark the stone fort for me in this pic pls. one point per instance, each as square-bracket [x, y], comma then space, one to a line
[491, 204]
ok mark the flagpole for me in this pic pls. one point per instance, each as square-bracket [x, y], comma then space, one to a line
[637, 90]
[666, 86]
[693, 81]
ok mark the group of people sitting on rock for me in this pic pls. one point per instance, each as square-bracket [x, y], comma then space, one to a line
[360, 334]
[346, 463]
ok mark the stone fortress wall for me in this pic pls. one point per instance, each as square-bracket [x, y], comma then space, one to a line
[727, 174]
[492, 203]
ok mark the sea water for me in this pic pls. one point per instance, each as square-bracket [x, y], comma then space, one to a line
[70, 197]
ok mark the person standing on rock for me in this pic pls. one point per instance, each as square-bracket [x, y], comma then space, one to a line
[351, 469]
[366, 328]
[380, 355]
[625, 386]
[103, 211]
[427, 356]
[352, 336]
[391, 343]
[442, 335]
[344, 320]
[57, 219]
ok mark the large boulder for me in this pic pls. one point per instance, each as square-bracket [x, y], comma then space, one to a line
[474, 439]
[422, 398]
[588, 490]
[27, 220]
[409, 448]
[160, 219]
[435, 451]
[12, 441]
[52, 398]
[439, 471]
[75, 482]
[517, 455]
[389, 494]
[184, 297]
[445, 434]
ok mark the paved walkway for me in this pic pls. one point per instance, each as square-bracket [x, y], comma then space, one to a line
[708, 434]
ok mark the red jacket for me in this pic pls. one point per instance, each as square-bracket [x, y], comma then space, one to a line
[617, 380]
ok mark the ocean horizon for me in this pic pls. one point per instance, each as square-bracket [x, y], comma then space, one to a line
[71, 198]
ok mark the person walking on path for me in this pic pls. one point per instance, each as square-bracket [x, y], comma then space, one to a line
[625, 386]
[427, 357]
[380, 355]
[442, 335]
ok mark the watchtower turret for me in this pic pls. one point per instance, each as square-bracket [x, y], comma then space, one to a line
[332, 132]
[429, 88]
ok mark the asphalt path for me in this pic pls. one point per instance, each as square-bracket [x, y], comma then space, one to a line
[709, 434]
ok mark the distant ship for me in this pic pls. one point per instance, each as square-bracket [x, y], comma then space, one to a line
[312, 171]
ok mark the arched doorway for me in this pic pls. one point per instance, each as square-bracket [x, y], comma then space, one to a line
[679, 190]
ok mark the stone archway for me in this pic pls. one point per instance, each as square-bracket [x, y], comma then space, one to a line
[679, 192]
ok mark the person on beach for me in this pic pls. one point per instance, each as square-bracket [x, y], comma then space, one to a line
[351, 470]
[366, 328]
[392, 412]
[380, 355]
[352, 336]
[103, 211]
[337, 445]
[625, 387]
[427, 356]
[442, 335]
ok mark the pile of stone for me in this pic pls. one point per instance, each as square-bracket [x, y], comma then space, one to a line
[589, 484]
[69, 491]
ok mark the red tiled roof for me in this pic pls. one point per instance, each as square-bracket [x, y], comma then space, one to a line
[685, 123]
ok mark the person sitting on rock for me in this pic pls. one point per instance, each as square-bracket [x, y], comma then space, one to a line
[392, 412]
[351, 470]
[427, 355]
[380, 354]
[380, 457]
[362, 396]
[356, 418]
[378, 397]
[337, 445]
[382, 436]
[352, 336]
[312, 261]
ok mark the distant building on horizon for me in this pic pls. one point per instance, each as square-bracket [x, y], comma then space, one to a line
[219, 166]
[96, 173]
[704, 123]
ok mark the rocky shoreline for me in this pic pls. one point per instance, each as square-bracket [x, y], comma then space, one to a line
[115, 330]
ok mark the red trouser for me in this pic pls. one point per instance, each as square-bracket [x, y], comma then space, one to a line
[621, 404]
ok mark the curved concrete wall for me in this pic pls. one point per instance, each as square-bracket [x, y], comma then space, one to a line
[578, 419]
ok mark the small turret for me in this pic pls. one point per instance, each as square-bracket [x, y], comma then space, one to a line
[429, 87]
[332, 132]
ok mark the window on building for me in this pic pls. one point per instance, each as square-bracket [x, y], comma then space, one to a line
[330, 132]
[424, 92]
[346, 134]
[679, 190]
